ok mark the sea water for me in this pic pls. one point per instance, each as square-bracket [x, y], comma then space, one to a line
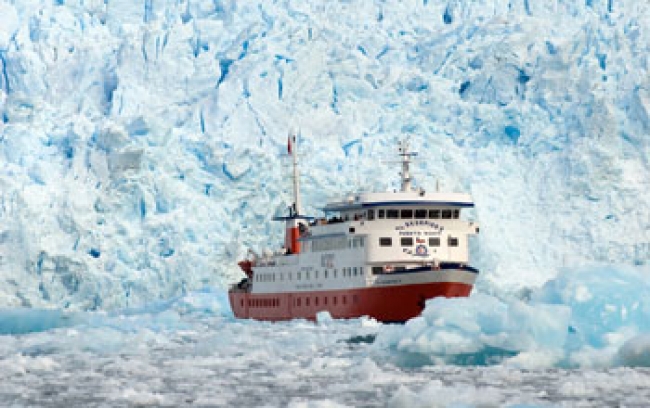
[476, 351]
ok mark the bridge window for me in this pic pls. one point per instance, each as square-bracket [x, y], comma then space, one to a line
[385, 241]
[434, 242]
[407, 241]
[392, 214]
[453, 242]
[446, 214]
[407, 214]
[325, 273]
[434, 214]
[456, 214]
[377, 270]
[381, 213]
[371, 215]
[420, 214]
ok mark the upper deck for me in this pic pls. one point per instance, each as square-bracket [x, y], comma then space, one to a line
[419, 198]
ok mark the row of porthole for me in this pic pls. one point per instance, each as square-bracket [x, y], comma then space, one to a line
[262, 302]
[344, 300]
[298, 301]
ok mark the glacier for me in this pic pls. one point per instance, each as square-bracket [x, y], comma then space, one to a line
[143, 151]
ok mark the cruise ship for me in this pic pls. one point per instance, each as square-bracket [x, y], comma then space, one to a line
[379, 254]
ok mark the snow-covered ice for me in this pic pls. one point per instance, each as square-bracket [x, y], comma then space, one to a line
[142, 151]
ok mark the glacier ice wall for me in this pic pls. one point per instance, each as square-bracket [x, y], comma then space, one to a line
[142, 143]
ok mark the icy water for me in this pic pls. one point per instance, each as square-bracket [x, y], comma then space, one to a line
[193, 353]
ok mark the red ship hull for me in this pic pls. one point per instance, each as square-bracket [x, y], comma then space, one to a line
[386, 304]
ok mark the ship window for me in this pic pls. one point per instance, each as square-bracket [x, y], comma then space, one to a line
[316, 275]
[434, 241]
[298, 275]
[242, 303]
[298, 302]
[306, 275]
[407, 241]
[377, 270]
[393, 214]
[335, 273]
[307, 302]
[434, 214]
[453, 241]
[334, 300]
[325, 300]
[381, 213]
[385, 241]
[325, 273]
[406, 214]
[362, 241]
[456, 214]
[316, 301]
[446, 214]
[355, 299]
[371, 215]
[345, 300]
[420, 214]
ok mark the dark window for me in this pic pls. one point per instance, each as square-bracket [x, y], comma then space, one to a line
[307, 302]
[371, 215]
[298, 302]
[345, 300]
[420, 214]
[355, 298]
[334, 300]
[394, 214]
[316, 301]
[453, 242]
[446, 214]
[407, 241]
[407, 214]
[351, 230]
[325, 300]
[456, 214]
[381, 213]
[385, 241]
[434, 214]
[434, 242]
[377, 270]
[325, 273]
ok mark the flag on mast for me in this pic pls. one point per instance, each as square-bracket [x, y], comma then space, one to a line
[289, 144]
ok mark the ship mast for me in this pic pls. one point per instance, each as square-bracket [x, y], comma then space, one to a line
[293, 150]
[406, 162]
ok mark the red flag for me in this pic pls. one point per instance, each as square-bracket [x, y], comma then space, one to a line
[289, 144]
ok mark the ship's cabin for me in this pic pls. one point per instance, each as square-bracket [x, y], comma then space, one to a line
[394, 230]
